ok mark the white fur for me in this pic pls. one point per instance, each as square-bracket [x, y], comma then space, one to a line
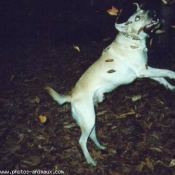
[121, 63]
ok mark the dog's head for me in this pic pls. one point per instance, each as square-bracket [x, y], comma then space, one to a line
[140, 25]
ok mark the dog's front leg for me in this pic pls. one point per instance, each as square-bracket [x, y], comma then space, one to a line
[157, 75]
[154, 72]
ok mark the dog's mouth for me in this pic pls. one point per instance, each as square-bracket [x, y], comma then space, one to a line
[150, 28]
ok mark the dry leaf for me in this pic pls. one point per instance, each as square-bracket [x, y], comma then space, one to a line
[136, 98]
[156, 149]
[151, 42]
[42, 118]
[97, 154]
[77, 48]
[101, 112]
[150, 163]
[37, 99]
[70, 125]
[164, 1]
[160, 31]
[146, 125]
[113, 11]
[172, 163]
[31, 160]
[132, 112]
[12, 78]
[106, 39]
[139, 167]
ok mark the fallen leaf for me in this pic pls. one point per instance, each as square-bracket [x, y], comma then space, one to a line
[164, 1]
[150, 163]
[31, 160]
[42, 118]
[172, 163]
[106, 39]
[21, 138]
[160, 31]
[132, 112]
[146, 125]
[136, 98]
[156, 149]
[76, 48]
[113, 11]
[139, 167]
[101, 112]
[97, 154]
[37, 99]
[70, 125]
[151, 42]
[12, 78]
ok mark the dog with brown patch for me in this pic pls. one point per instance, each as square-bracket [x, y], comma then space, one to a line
[122, 62]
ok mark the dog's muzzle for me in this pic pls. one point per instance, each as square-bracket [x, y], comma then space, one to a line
[155, 22]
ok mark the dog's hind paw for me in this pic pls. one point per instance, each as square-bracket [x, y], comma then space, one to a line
[173, 90]
[92, 162]
[102, 147]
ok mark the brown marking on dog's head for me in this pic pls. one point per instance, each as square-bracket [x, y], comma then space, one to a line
[140, 30]
[134, 47]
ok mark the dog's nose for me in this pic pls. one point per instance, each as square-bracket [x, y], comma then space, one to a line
[151, 13]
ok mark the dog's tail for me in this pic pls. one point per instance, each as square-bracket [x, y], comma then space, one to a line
[58, 97]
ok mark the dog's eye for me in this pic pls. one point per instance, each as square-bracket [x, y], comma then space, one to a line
[137, 18]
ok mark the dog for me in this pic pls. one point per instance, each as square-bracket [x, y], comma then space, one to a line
[122, 62]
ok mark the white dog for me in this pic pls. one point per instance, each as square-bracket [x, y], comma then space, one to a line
[121, 63]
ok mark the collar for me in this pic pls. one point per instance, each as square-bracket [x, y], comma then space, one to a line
[130, 37]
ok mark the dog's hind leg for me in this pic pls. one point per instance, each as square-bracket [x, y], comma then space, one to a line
[84, 114]
[95, 140]
[165, 83]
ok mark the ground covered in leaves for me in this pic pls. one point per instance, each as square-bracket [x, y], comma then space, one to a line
[136, 122]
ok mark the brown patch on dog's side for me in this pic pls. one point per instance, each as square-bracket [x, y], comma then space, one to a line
[109, 60]
[111, 71]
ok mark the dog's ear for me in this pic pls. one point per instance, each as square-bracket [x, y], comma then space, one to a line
[138, 7]
[120, 27]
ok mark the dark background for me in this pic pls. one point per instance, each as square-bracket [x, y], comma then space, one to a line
[34, 23]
